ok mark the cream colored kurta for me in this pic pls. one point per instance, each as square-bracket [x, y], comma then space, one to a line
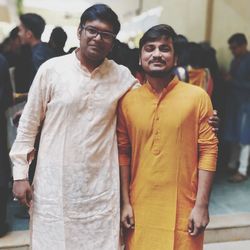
[76, 184]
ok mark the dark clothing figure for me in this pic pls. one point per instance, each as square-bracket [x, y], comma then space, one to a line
[41, 52]
[237, 120]
[57, 41]
[23, 67]
[5, 102]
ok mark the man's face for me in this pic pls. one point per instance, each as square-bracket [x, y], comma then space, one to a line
[24, 34]
[95, 47]
[157, 57]
[237, 50]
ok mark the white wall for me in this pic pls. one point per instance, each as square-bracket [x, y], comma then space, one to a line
[229, 17]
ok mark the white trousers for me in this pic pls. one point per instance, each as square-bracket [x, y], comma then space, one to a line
[239, 153]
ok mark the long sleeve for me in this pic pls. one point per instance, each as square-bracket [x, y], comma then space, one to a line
[124, 146]
[30, 121]
[207, 141]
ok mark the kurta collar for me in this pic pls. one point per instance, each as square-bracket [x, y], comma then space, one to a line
[167, 89]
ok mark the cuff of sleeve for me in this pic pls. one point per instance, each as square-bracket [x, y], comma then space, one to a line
[20, 173]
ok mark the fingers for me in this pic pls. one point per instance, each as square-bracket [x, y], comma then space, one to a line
[190, 226]
[128, 222]
[197, 230]
[29, 197]
[131, 222]
[23, 192]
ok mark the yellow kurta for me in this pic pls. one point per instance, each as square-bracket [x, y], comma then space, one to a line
[165, 141]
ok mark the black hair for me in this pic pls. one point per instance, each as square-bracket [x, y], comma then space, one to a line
[238, 38]
[58, 36]
[34, 23]
[102, 12]
[156, 32]
[14, 33]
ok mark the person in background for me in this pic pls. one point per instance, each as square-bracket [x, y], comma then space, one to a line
[30, 31]
[57, 41]
[5, 102]
[237, 118]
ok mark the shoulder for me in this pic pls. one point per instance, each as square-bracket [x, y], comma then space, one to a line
[133, 95]
[117, 68]
[119, 74]
[190, 89]
[57, 63]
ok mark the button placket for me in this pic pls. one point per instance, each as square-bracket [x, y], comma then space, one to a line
[156, 131]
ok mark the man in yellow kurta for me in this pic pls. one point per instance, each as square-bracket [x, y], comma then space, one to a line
[167, 153]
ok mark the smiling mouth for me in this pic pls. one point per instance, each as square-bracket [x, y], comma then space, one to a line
[94, 47]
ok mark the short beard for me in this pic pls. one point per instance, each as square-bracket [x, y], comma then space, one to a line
[160, 74]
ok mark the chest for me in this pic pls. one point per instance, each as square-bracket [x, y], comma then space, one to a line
[173, 113]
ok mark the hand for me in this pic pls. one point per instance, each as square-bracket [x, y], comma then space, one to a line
[127, 217]
[23, 192]
[214, 121]
[198, 220]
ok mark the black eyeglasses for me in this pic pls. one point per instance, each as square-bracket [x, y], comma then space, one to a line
[92, 32]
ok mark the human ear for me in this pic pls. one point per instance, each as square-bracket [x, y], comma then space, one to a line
[79, 31]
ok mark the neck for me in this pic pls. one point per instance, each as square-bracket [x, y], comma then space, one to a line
[159, 83]
[89, 64]
[34, 42]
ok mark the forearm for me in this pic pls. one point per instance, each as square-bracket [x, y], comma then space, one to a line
[205, 181]
[125, 180]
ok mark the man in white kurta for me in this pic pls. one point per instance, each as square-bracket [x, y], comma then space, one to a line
[75, 202]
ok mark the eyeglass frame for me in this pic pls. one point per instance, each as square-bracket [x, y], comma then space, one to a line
[98, 32]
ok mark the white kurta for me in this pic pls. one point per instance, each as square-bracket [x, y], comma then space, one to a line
[76, 183]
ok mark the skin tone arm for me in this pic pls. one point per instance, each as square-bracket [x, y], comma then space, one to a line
[127, 217]
[199, 217]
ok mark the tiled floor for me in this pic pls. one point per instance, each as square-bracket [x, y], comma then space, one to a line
[229, 198]
[241, 245]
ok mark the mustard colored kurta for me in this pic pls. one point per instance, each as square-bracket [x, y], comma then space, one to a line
[76, 183]
[165, 140]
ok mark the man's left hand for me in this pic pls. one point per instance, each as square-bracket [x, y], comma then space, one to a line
[198, 220]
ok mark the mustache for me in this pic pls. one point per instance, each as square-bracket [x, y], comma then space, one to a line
[157, 60]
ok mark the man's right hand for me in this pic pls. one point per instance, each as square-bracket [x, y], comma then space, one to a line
[23, 192]
[127, 217]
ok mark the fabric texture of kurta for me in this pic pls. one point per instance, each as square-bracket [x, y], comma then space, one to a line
[76, 183]
[165, 141]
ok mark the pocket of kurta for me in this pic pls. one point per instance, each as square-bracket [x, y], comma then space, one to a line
[101, 204]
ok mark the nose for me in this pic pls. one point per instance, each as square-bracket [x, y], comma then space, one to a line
[98, 37]
[157, 53]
